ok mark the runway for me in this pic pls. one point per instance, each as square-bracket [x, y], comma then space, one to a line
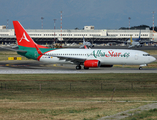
[45, 71]
[34, 67]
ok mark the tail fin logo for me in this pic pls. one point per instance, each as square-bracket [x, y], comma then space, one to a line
[24, 38]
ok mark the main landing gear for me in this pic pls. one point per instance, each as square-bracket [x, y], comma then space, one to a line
[78, 67]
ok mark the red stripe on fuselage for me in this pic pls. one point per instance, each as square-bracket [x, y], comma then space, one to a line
[39, 57]
[43, 54]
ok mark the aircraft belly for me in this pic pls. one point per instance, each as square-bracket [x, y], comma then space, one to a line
[112, 61]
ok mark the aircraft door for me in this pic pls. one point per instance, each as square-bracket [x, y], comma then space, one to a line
[136, 56]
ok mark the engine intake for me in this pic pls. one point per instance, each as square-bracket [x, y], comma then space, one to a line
[92, 63]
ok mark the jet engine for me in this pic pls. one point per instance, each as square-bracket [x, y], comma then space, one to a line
[91, 63]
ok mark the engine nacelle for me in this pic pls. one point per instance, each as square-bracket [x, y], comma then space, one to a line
[106, 65]
[92, 63]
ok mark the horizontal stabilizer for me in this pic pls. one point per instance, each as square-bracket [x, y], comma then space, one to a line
[16, 50]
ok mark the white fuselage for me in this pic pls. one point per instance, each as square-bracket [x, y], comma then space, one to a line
[105, 56]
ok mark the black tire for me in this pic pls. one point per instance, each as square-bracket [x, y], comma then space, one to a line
[78, 67]
[140, 68]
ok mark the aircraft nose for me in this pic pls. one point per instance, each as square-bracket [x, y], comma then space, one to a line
[152, 59]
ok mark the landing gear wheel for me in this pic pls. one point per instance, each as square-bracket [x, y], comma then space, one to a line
[86, 68]
[78, 67]
[140, 68]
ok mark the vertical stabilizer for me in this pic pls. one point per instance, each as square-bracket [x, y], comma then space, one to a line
[131, 40]
[83, 40]
[23, 39]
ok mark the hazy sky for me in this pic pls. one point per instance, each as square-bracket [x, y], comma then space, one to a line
[103, 14]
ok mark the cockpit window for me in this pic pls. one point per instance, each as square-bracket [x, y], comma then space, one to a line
[146, 54]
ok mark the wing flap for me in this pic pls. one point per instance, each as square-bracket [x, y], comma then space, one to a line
[71, 59]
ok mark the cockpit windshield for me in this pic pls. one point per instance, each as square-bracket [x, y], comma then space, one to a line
[146, 54]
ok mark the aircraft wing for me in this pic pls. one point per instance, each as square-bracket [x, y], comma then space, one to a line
[84, 46]
[70, 59]
[16, 50]
[130, 46]
[81, 46]
[75, 60]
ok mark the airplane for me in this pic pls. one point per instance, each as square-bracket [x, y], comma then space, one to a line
[87, 44]
[134, 42]
[89, 58]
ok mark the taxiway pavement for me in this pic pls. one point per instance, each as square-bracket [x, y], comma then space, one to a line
[35, 67]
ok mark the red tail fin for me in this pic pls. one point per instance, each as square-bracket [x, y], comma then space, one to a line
[85, 46]
[23, 39]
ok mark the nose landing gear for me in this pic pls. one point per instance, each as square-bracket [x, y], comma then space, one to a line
[140, 68]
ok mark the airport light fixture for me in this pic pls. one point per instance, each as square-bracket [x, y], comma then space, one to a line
[7, 23]
[153, 20]
[54, 29]
[129, 22]
[42, 22]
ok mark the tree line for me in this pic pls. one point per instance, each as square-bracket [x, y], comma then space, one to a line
[140, 27]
